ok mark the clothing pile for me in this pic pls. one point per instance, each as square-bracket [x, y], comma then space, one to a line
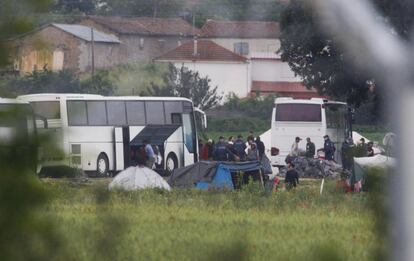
[314, 168]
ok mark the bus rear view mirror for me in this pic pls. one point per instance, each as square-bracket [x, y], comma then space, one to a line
[203, 117]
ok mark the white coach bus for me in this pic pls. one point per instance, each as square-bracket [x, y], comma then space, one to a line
[312, 118]
[103, 134]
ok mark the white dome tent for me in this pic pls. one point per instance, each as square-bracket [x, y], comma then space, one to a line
[134, 178]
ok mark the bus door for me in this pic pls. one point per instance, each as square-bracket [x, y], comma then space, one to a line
[190, 155]
[121, 144]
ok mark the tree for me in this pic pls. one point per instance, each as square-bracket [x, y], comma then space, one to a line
[238, 10]
[316, 57]
[150, 8]
[70, 6]
[186, 83]
[14, 20]
[58, 82]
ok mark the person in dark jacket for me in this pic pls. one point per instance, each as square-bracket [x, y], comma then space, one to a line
[221, 152]
[328, 148]
[260, 147]
[361, 149]
[292, 177]
[347, 154]
[310, 148]
[230, 146]
[240, 148]
[370, 149]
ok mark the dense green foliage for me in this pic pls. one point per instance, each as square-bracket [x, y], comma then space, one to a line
[238, 10]
[189, 84]
[149, 8]
[258, 106]
[57, 82]
[134, 79]
[316, 57]
[14, 20]
[70, 6]
[197, 225]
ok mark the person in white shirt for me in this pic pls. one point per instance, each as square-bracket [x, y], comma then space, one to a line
[294, 151]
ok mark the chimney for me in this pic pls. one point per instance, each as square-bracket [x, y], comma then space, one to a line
[195, 46]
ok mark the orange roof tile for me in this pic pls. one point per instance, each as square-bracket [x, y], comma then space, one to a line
[206, 51]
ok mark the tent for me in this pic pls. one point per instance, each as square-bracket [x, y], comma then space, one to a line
[379, 161]
[210, 174]
[134, 178]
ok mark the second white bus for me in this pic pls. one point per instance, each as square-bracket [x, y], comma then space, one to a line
[101, 134]
[312, 118]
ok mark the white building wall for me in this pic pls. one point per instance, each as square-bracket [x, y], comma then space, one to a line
[272, 71]
[262, 45]
[229, 77]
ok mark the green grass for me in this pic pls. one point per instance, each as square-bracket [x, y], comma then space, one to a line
[372, 132]
[197, 225]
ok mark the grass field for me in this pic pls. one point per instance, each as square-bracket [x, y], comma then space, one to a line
[194, 225]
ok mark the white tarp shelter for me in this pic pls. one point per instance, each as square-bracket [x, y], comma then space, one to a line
[134, 178]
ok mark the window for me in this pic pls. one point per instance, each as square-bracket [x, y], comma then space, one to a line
[77, 113]
[116, 113]
[335, 116]
[96, 113]
[135, 112]
[171, 108]
[141, 43]
[47, 109]
[299, 112]
[155, 112]
[241, 48]
[58, 58]
[161, 43]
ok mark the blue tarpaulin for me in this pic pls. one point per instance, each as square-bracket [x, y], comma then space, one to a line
[207, 175]
[222, 180]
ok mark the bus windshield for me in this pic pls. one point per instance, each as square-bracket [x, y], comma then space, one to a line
[47, 109]
[298, 112]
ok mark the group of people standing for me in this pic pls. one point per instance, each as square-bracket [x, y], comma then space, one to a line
[232, 149]
[328, 148]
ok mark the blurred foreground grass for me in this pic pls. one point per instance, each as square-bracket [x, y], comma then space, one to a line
[197, 225]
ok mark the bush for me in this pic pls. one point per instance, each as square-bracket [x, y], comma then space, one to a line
[64, 81]
[259, 106]
[237, 124]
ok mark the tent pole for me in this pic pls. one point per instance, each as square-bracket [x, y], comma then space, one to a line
[261, 178]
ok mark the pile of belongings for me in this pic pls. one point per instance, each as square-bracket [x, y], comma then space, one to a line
[314, 168]
[211, 175]
[134, 178]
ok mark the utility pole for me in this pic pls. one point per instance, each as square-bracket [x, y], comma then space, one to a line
[92, 52]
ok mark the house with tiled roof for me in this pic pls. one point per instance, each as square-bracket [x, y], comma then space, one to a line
[259, 42]
[65, 46]
[226, 69]
[271, 75]
[144, 38]
[243, 37]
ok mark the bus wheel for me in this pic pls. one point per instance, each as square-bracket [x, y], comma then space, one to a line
[171, 162]
[102, 165]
